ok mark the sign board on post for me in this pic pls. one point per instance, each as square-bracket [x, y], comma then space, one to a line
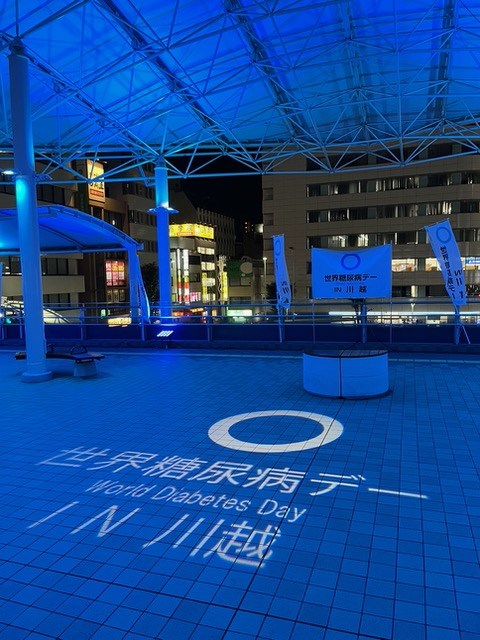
[446, 251]
[360, 273]
[284, 292]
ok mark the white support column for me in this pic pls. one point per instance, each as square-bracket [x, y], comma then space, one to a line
[28, 230]
[163, 240]
[133, 285]
[139, 302]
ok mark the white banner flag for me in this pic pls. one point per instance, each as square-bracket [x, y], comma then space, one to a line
[284, 292]
[446, 251]
[359, 273]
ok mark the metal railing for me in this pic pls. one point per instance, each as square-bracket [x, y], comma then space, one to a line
[386, 321]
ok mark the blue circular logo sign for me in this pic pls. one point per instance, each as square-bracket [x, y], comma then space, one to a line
[443, 234]
[350, 261]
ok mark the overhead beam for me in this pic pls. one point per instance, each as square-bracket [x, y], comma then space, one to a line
[440, 82]
[354, 62]
[284, 102]
[145, 48]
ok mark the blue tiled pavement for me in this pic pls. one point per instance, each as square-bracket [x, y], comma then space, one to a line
[123, 519]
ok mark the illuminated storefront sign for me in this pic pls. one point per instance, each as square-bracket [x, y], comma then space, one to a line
[119, 321]
[245, 313]
[96, 190]
[224, 286]
[473, 261]
[115, 273]
[189, 230]
[181, 275]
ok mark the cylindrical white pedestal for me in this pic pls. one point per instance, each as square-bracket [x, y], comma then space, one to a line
[346, 373]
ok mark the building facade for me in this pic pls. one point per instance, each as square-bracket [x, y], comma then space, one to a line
[187, 212]
[246, 283]
[62, 277]
[100, 280]
[193, 263]
[375, 204]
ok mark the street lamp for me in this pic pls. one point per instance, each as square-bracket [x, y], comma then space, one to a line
[264, 277]
[13, 174]
[10, 173]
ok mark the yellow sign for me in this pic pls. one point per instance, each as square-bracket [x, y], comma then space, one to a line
[96, 190]
[204, 287]
[119, 321]
[224, 290]
[191, 230]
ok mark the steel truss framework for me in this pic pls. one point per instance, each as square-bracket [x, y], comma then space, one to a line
[195, 81]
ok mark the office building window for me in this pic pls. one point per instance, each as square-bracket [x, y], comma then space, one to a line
[471, 263]
[469, 206]
[55, 267]
[315, 190]
[56, 298]
[402, 291]
[406, 237]
[404, 264]
[338, 215]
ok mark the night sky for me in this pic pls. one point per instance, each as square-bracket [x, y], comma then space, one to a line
[237, 197]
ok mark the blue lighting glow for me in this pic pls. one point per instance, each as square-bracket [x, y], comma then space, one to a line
[21, 192]
[134, 523]
[367, 77]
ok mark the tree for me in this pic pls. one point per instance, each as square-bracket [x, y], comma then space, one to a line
[150, 280]
[271, 295]
[271, 291]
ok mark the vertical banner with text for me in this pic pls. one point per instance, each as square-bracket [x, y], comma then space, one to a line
[446, 251]
[284, 292]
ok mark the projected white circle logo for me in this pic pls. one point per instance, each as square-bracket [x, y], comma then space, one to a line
[220, 432]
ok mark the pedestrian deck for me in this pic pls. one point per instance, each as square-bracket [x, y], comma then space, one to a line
[195, 495]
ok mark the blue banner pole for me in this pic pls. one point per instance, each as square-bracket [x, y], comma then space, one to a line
[363, 319]
[457, 326]
[280, 320]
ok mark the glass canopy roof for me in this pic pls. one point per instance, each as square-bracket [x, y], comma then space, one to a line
[256, 81]
[65, 230]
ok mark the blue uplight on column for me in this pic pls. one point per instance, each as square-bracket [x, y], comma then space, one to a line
[162, 211]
